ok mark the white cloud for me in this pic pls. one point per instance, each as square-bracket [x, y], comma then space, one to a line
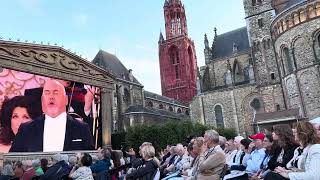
[80, 19]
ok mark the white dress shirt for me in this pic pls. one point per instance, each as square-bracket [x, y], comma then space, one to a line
[54, 132]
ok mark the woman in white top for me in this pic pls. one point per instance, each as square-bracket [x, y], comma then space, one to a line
[308, 163]
[82, 170]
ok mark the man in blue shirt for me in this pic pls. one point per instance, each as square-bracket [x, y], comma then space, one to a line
[257, 154]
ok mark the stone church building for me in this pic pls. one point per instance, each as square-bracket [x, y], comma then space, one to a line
[264, 73]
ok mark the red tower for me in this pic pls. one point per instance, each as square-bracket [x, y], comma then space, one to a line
[177, 55]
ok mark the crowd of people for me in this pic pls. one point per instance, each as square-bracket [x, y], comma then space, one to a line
[285, 153]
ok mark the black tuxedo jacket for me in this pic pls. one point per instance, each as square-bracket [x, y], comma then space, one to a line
[30, 136]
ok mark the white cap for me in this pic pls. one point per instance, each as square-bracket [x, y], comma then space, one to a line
[315, 120]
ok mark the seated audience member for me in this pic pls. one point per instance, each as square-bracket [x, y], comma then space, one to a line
[230, 151]
[29, 171]
[44, 165]
[308, 164]
[166, 155]
[196, 148]
[37, 167]
[253, 158]
[238, 162]
[181, 161]
[136, 161]
[82, 170]
[149, 168]
[222, 142]
[103, 162]
[13, 113]
[237, 159]
[257, 155]
[270, 147]
[58, 170]
[282, 135]
[316, 124]
[73, 160]
[211, 158]
[170, 160]
[7, 171]
[18, 170]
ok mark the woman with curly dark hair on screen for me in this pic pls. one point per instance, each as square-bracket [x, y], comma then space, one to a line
[14, 112]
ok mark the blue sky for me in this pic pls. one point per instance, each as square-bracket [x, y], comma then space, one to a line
[128, 28]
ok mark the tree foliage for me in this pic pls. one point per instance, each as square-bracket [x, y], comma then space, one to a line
[161, 135]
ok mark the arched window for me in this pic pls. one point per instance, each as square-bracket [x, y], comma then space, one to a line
[255, 104]
[219, 116]
[311, 12]
[150, 104]
[286, 56]
[160, 106]
[179, 111]
[171, 109]
[278, 107]
[126, 96]
[191, 63]
[187, 112]
[175, 60]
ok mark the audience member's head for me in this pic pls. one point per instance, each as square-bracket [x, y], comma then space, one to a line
[86, 159]
[258, 140]
[56, 158]
[44, 164]
[211, 138]
[190, 148]
[269, 144]
[237, 140]
[104, 153]
[316, 124]
[222, 141]
[198, 143]
[148, 152]
[283, 135]
[26, 164]
[230, 145]
[180, 149]
[36, 163]
[306, 134]
[244, 144]
[73, 160]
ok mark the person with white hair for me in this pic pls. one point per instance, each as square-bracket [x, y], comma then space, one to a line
[29, 171]
[316, 124]
[211, 158]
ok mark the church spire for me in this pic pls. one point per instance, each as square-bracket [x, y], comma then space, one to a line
[206, 42]
[161, 39]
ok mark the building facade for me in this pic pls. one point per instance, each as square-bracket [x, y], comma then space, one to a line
[132, 105]
[264, 73]
[177, 55]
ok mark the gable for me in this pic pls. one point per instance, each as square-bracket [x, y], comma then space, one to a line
[52, 61]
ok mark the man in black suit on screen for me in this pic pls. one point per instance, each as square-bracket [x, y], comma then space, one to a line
[55, 130]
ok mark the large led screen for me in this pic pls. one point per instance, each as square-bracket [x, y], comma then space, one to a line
[42, 114]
